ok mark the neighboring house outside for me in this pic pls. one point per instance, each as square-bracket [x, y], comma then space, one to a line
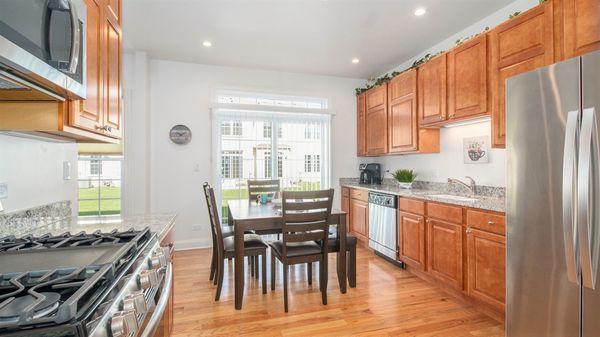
[246, 153]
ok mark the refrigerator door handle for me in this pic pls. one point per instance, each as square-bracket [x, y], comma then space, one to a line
[586, 219]
[568, 197]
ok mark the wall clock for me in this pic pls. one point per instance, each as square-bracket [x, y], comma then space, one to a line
[180, 134]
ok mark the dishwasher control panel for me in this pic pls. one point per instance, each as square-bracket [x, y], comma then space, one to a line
[382, 199]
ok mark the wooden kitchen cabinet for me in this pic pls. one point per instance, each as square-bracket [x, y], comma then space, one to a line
[376, 120]
[444, 252]
[346, 205]
[100, 112]
[486, 256]
[580, 33]
[432, 91]
[404, 134]
[359, 219]
[468, 87]
[411, 239]
[518, 45]
[361, 124]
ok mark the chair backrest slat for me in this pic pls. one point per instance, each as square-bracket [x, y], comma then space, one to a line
[256, 187]
[213, 213]
[306, 216]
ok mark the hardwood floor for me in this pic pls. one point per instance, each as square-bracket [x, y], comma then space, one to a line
[387, 301]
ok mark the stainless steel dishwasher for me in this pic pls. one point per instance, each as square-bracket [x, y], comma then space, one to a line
[383, 224]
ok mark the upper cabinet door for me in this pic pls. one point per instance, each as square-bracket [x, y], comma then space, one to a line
[432, 91]
[519, 45]
[468, 79]
[87, 114]
[402, 114]
[581, 27]
[376, 120]
[361, 111]
[112, 114]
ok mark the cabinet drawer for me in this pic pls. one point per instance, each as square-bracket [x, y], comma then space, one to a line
[444, 212]
[493, 223]
[412, 206]
[345, 192]
[359, 195]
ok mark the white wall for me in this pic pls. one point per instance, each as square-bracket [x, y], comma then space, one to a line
[181, 93]
[449, 162]
[33, 170]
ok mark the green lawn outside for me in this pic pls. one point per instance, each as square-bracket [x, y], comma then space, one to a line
[108, 207]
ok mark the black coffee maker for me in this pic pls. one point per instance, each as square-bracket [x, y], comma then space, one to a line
[370, 173]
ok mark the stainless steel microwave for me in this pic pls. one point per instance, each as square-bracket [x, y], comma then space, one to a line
[42, 50]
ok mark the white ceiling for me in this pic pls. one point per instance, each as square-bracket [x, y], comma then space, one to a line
[306, 36]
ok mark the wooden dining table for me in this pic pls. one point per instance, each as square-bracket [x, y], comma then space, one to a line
[244, 215]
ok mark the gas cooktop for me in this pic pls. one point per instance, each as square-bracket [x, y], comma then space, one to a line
[49, 280]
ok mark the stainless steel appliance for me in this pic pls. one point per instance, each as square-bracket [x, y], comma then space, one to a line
[42, 49]
[99, 284]
[382, 224]
[553, 201]
[370, 173]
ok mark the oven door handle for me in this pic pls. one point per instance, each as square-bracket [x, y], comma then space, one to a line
[161, 306]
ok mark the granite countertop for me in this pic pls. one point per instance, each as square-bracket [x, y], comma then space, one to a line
[490, 203]
[161, 224]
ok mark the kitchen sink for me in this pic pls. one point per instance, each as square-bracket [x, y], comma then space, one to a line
[452, 197]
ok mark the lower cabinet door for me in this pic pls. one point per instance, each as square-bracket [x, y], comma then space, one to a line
[411, 239]
[487, 267]
[359, 215]
[445, 259]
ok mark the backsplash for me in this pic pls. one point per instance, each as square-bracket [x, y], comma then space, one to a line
[485, 191]
[25, 220]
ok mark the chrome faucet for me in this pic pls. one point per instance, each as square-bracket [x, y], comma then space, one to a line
[471, 185]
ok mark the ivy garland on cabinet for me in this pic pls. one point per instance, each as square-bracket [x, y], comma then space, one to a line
[373, 82]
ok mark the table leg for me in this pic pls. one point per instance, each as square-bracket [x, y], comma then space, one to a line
[239, 263]
[342, 254]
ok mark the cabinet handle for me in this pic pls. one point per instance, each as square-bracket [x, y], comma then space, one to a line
[491, 223]
[469, 231]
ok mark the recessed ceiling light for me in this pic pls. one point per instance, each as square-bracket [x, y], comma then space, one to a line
[420, 11]
[207, 43]
[355, 60]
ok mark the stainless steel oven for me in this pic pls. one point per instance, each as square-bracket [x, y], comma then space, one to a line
[42, 49]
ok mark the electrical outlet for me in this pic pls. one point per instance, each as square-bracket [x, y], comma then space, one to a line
[196, 228]
[3, 190]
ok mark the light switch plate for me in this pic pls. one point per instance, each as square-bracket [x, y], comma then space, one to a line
[3, 190]
[66, 170]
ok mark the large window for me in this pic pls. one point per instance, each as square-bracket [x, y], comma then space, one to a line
[99, 179]
[301, 143]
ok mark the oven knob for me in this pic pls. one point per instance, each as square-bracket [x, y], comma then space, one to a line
[135, 302]
[123, 324]
[159, 260]
[148, 279]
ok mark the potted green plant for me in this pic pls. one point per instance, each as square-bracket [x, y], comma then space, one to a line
[405, 177]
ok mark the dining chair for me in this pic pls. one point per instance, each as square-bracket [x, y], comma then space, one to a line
[333, 246]
[305, 233]
[254, 246]
[263, 186]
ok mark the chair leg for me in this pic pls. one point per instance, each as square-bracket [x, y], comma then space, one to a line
[256, 266]
[213, 265]
[264, 271]
[251, 258]
[309, 272]
[324, 279]
[285, 287]
[273, 267]
[352, 267]
[220, 271]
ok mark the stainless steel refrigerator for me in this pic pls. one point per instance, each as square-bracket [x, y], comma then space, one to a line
[553, 200]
